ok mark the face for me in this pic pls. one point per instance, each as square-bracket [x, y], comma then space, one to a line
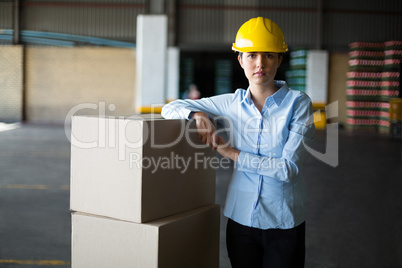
[260, 67]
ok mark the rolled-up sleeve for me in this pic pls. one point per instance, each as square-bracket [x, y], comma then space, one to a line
[213, 106]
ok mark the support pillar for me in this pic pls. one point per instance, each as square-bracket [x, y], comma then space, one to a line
[16, 22]
[151, 62]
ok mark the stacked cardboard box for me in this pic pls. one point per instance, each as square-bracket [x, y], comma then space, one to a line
[143, 193]
[373, 80]
[304, 65]
[296, 76]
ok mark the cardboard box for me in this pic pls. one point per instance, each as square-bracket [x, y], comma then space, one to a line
[138, 169]
[190, 239]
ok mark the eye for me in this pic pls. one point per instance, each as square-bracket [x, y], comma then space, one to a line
[269, 56]
[251, 56]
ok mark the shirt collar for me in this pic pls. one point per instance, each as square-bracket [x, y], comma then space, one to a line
[278, 96]
[247, 97]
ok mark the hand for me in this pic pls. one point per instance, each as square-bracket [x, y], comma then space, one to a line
[206, 130]
[225, 150]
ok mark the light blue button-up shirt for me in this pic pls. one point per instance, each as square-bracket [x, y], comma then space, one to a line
[267, 188]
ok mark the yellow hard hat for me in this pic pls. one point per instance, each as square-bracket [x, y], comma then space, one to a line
[260, 35]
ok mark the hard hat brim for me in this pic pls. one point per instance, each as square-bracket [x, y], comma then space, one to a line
[260, 49]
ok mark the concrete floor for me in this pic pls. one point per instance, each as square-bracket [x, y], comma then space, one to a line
[354, 210]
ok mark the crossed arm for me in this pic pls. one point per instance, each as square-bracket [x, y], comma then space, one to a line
[285, 167]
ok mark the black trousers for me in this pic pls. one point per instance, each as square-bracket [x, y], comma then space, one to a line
[277, 248]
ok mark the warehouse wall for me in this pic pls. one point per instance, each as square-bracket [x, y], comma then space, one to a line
[57, 79]
[107, 19]
[6, 9]
[206, 23]
[348, 21]
[6, 19]
[215, 23]
[11, 81]
[212, 24]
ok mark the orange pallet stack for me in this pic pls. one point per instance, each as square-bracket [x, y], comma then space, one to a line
[372, 81]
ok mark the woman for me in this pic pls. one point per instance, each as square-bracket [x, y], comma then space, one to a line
[266, 198]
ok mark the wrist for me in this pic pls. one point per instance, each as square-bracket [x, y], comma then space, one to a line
[235, 155]
[198, 115]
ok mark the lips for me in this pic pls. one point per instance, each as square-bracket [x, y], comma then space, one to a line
[259, 73]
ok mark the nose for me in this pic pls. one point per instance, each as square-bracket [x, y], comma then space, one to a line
[260, 61]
